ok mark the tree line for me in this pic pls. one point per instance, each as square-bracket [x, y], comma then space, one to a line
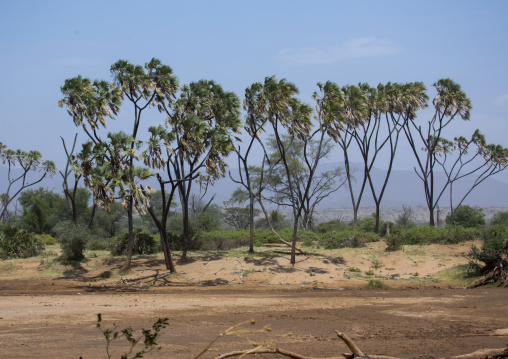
[201, 123]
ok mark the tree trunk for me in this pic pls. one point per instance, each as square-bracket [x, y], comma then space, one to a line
[185, 239]
[130, 245]
[168, 260]
[251, 223]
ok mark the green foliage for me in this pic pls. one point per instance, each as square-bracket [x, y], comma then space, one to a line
[376, 284]
[395, 242]
[277, 219]
[424, 235]
[351, 239]
[46, 239]
[98, 244]
[370, 272]
[73, 240]
[308, 243]
[458, 234]
[144, 243]
[330, 226]
[499, 218]
[368, 224]
[494, 250]
[466, 216]
[223, 239]
[18, 243]
[148, 337]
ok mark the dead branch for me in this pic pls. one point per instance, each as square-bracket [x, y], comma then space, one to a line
[155, 276]
[356, 352]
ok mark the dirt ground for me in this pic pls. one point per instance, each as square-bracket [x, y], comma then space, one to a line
[52, 313]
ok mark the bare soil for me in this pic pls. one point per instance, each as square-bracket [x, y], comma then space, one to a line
[51, 312]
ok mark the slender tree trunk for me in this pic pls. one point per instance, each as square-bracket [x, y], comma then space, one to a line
[376, 228]
[251, 223]
[130, 245]
[168, 260]
[185, 239]
[92, 215]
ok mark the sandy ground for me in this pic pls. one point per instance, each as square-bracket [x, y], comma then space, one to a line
[51, 313]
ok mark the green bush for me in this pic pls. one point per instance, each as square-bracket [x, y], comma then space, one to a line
[18, 243]
[330, 226]
[425, 235]
[494, 250]
[376, 284]
[466, 216]
[458, 234]
[224, 240]
[499, 218]
[98, 245]
[46, 239]
[395, 242]
[351, 239]
[73, 240]
[144, 243]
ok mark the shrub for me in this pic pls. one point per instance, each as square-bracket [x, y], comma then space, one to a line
[308, 243]
[330, 226]
[494, 250]
[395, 242]
[144, 243]
[73, 240]
[98, 245]
[18, 243]
[351, 239]
[425, 235]
[499, 218]
[224, 240]
[46, 239]
[376, 284]
[457, 234]
[466, 216]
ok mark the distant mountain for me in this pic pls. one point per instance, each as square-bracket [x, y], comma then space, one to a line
[404, 187]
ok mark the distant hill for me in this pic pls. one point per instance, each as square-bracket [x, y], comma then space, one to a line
[404, 187]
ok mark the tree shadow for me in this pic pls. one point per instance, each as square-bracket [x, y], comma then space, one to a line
[76, 272]
[261, 261]
[316, 270]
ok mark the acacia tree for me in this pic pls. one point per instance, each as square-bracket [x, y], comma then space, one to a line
[276, 102]
[27, 162]
[301, 159]
[449, 103]
[201, 123]
[472, 158]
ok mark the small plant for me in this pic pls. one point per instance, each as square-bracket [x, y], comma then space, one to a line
[376, 264]
[308, 243]
[370, 272]
[148, 337]
[395, 242]
[353, 269]
[376, 284]
[312, 274]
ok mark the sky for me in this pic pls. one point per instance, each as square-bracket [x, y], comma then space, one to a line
[237, 43]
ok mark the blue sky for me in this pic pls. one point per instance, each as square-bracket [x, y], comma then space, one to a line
[237, 43]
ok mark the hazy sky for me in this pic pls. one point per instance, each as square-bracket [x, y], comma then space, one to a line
[237, 43]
